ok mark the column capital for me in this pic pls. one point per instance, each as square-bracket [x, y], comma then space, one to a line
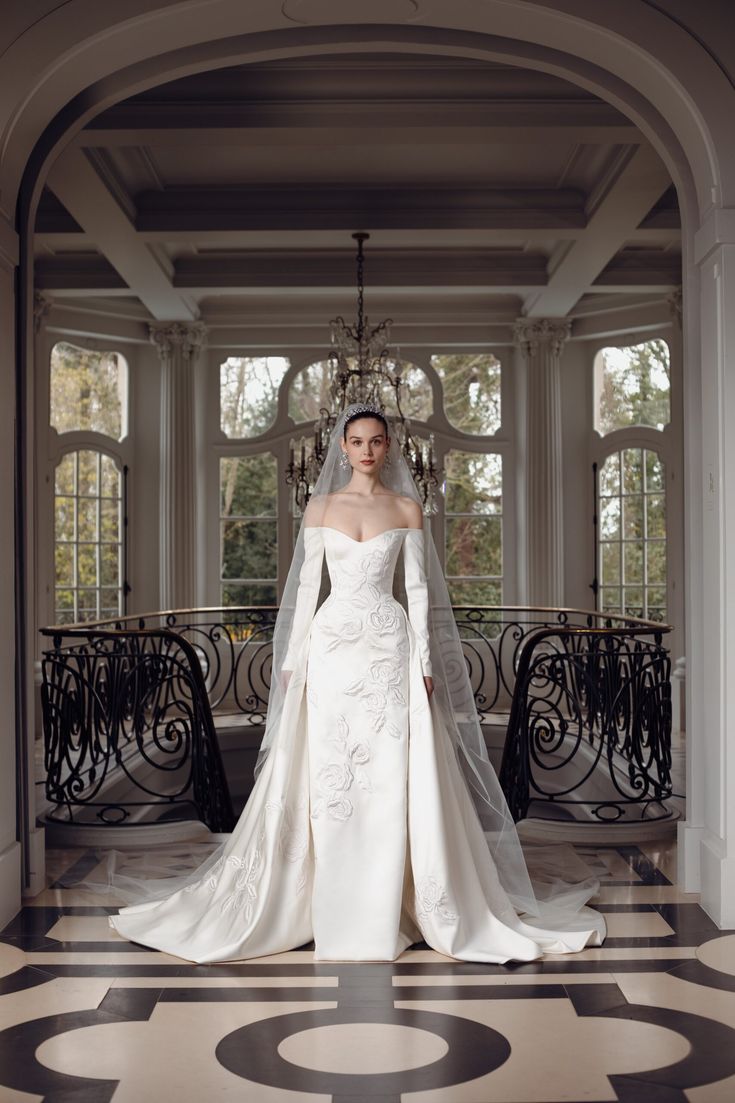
[187, 336]
[529, 333]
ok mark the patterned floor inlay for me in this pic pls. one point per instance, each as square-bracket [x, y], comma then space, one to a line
[86, 1017]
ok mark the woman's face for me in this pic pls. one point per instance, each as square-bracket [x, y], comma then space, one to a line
[366, 444]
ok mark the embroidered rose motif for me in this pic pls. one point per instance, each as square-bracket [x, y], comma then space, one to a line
[359, 753]
[335, 775]
[293, 844]
[339, 808]
[384, 618]
[432, 900]
[384, 672]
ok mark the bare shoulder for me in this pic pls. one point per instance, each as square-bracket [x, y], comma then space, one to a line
[411, 511]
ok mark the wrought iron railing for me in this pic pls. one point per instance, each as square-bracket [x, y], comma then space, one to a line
[572, 686]
[590, 726]
[128, 731]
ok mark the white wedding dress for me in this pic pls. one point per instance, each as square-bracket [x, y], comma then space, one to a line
[360, 831]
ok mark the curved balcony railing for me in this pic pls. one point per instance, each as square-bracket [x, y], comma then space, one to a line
[131, 709]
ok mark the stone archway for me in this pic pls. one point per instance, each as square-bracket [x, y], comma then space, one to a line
[592, 50]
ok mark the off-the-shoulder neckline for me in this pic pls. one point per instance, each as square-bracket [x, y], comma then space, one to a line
[330, 528]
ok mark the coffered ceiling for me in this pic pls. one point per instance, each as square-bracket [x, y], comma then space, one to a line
[232, 195]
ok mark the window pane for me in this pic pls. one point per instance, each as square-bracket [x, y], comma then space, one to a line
[474, 482]
[66, 474]
[633, 517]
[632, 386]
[610, 599]
[248, 594]
[475, 593]
[87, 519]
[249, 393]
[64, 564]
[110, 478]
[632, 471]
[87, 564]
[610, 519]
[656, 515]
[110, 565]
[109, 520]
[474, 526]
[309, 392]
[474, 546]
[610, 563]
[249, 486]
[65, 518]
[248, 550]
[471, 388]
[633, 561]
[654, 472]
[311, 386]
[88, 391]
[610, 475]
[656, 562]
[88, 473]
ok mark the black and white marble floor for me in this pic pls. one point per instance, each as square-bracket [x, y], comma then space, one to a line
[86, 1017]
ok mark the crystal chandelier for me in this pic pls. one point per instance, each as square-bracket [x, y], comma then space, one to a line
[363, 370]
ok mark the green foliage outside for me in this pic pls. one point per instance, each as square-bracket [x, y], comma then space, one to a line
[474, 527]
[471, 386]
[633, 386]
[248, 529]
[310, 392]
[87, 391]
[249, 388]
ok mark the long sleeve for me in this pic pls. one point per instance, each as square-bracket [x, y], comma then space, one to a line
[417, 593]
[310, 578]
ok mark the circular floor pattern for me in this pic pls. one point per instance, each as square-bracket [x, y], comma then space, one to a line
[257, 1052]
[719, 954]
[363, 1048]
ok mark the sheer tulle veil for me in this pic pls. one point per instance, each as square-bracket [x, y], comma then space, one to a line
[550, 899]
[452, 703]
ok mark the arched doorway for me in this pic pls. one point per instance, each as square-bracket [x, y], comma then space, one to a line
[590, 54]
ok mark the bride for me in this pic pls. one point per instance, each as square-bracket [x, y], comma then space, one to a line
[376, 819]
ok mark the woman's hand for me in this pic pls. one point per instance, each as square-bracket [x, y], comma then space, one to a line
[429, 683]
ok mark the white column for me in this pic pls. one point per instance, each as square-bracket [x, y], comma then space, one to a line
[707, 839]
[10, 857]
[178, 346]
[541, 341]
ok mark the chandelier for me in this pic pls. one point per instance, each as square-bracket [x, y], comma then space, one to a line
[362, 369]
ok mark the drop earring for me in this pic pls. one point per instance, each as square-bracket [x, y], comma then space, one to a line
[344, 460]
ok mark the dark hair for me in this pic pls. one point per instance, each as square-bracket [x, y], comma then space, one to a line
[365, 413]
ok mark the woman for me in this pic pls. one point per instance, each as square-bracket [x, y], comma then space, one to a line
[376, 819]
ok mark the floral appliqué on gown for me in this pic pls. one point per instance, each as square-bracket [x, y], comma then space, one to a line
[360, 832]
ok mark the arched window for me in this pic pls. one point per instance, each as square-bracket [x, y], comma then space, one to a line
[88, 537]
[249, 393]
[474, 527]
[471, 385]
[88, 391]
[632, 544]
[248, 530]
[632, 386]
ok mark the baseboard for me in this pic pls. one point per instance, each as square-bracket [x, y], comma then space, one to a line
[718, 881]
[688, 857]
[9, 884]
[37, 862]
